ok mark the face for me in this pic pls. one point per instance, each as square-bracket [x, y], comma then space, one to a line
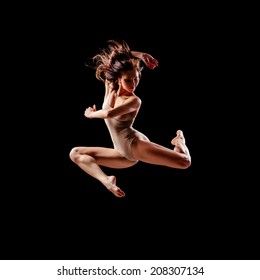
[130, 80]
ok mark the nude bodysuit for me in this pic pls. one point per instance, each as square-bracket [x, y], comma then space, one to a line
[121, 131]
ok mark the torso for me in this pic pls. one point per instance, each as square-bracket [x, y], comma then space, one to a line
[113, 100]
[120, 127]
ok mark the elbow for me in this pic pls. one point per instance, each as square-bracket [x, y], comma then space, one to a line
[109, 114]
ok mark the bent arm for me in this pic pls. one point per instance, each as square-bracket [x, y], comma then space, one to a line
[148, 60]
[92, 114]
[131, 105]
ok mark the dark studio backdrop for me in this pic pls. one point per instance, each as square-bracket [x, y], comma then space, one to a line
[56, 211]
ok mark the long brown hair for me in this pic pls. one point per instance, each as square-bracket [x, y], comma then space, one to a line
[115, 59]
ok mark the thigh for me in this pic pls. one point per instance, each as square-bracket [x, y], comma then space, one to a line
[106, 157]
[153, 153]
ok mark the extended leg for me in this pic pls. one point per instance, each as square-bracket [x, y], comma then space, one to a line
[153, 153]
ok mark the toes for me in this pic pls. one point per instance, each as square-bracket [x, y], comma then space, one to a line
[179, 139]
[111, 186]
[117, 192]
[179, 133]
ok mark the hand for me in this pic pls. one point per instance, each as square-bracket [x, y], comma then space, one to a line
[149, 61]
[89, 111]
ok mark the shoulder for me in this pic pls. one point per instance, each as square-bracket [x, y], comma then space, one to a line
[135, 101]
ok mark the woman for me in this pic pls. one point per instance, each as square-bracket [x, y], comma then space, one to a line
[119, 69]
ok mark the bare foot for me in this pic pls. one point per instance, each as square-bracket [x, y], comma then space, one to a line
[111, 186]
[179, 138]
[179, 143]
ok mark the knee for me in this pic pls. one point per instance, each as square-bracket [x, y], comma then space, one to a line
[186, 162]
[74, 154]
[78, 157]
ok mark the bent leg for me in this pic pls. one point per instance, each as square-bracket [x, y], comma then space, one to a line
[89, 159]
[153, 153]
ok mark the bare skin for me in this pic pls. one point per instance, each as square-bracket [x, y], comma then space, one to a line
[124, 101]
[89, 159]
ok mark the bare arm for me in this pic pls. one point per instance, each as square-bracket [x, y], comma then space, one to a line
[148, 60]
[131, 105]
[91, 112]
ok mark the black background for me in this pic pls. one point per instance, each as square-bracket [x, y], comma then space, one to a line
[53, 210]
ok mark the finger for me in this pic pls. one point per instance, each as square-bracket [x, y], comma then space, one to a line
[94, 107]
[119, 87]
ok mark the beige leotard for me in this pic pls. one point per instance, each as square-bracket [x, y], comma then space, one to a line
[122, 132]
